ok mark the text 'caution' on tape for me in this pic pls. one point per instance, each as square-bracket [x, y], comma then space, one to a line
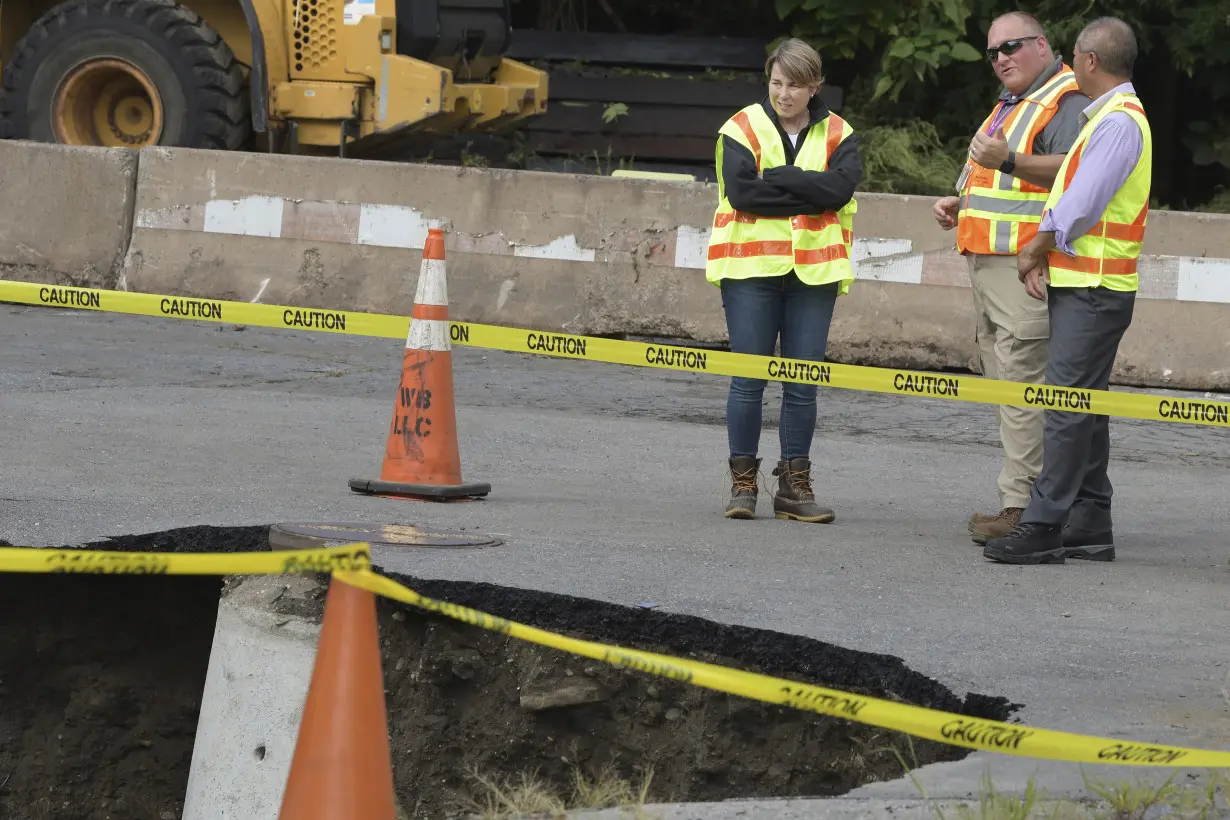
[352, 558]
[351, 563]
[908, 383]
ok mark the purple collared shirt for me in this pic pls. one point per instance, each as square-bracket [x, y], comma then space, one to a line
[1108, 159]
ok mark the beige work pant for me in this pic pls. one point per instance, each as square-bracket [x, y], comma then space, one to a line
[1013, 333]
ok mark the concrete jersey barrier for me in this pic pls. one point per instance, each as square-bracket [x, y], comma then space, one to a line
[590, 255]
[66, 213]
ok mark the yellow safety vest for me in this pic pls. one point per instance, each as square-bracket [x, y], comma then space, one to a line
[816, 246]
[999, 213]
[1106, 254]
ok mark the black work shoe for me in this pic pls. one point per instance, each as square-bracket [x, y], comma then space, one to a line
[1091, 546]
[1028, 544]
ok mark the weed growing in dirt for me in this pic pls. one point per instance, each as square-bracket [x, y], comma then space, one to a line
[1122, 800]
[530, 796]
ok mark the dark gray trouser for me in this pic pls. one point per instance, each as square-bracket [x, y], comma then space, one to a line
[1073, 487]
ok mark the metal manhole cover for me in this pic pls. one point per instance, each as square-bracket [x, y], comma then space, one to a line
[395, 536]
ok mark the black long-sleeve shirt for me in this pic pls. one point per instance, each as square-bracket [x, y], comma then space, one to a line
[789, 190]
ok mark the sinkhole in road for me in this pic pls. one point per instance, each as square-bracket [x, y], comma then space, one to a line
[101, 680]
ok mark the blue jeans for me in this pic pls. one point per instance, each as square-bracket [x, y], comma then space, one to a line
[757, 311]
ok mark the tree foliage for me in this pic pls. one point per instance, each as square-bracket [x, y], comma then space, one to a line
[922, 62]
[917, 82]
[914, 41]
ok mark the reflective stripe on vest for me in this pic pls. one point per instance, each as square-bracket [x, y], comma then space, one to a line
[816, 246]
[999, 212]
[1106, 254]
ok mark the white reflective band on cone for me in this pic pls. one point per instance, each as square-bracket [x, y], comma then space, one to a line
[428, 334]
[432, 287]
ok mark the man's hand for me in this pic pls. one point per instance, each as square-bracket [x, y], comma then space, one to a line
[1030, 257]
[1036, 281]
[1033, 268]
[946, 212]
[989, 152]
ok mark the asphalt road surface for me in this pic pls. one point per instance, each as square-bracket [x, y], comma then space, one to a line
[609, 482]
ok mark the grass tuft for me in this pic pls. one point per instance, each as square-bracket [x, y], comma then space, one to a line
[529, 796]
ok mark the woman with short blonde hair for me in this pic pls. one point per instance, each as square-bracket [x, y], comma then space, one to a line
[779, 250]
[799, 62]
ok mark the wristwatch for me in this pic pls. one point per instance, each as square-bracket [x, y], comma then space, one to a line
[1009, 163]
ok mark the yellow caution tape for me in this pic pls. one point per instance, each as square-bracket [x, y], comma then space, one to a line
[351, 563]
[909, 383]
[206, 310]
[352, 557]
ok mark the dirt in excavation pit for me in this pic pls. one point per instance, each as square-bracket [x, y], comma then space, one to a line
[100, 684]
[466, 701]
[101, 679]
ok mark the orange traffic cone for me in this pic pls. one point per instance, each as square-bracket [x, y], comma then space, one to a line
[342, 765]
[421, 459]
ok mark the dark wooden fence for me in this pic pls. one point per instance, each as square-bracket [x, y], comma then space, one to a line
[677, 92]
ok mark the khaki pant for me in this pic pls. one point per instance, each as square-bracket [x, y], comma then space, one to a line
[1013, 333]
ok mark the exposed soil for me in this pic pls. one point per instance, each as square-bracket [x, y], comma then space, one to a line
[465, 700]
[101, 684]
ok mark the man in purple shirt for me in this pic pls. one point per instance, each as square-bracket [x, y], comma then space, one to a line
[1068, 515]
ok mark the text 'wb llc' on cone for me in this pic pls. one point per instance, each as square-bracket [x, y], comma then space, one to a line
[421, 455]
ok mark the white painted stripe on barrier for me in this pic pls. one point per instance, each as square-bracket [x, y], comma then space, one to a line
[1203, 280]
[392, 226]
[691, 247]
[875, 248]
[432, 288]
[907, 270]
[428, 334]
[886, 260]
[563, 248]
[250, 216]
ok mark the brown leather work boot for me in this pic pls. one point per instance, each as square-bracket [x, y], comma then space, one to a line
[794, 498]
[743, 487]
[982, 518]
[996, 526]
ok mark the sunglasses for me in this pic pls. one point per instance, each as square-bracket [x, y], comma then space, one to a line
[1009, 47]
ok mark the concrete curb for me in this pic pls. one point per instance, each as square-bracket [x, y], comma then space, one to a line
[259, 669]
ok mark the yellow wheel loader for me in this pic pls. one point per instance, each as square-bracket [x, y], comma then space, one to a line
[299, 76]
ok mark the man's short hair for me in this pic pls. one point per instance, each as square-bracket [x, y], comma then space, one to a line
[1113, 41]
[1031, 23]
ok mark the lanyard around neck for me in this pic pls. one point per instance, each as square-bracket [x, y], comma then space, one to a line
[998, 119]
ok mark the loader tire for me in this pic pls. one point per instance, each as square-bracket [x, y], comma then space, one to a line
[124, 73]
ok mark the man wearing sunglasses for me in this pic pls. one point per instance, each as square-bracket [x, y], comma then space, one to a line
[1013, 159]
